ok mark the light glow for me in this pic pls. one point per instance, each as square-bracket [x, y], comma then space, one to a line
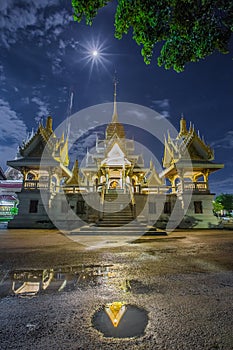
[93, 54]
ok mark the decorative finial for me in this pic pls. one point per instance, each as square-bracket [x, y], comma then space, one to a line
[183, 128]
[49, 124]
[151, 164]
[115, 115]
[75, 167]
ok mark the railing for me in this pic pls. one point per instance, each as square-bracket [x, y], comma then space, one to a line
[102, 195]
[193, 187]
[156, 189]
[35, 185]
[132, 201]
[102, 202]
[77, 189]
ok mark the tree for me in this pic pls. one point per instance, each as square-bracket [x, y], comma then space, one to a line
[188, 30]
[226, 201]
[217, 208]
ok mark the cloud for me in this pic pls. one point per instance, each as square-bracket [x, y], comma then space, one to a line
[25, 18]
[225, 142]
[222, 186]
[58, 19]
[12, 128]
[162, 103]
[7, 153]
[43, 108]
[43, 24]
[25, 100]
[162, 107]
[134, 112]
[2, 74]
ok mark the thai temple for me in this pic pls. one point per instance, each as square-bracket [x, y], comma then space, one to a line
[114, 188]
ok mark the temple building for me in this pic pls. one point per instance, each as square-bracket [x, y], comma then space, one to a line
[114, 188]
[8, 197]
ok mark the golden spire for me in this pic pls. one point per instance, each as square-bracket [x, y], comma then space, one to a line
[151, 164]
[115, 115]
[115, 128]
[183, 128]
[49, 124]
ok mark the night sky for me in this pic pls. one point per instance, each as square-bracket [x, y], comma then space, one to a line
[44, 55]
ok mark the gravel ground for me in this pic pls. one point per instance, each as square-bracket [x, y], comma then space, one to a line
[184, 282]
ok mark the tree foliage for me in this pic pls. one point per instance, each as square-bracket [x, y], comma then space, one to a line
[225, 200]
[217, 207]
[188, 30]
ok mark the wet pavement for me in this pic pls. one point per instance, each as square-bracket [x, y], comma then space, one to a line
[57, 294]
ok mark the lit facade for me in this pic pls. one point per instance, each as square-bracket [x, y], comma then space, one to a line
[115, 178]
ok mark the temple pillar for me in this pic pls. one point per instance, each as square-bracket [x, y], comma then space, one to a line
[107, 178]
[181, 178]
[24, 172]
[172, 180]
[206, 173]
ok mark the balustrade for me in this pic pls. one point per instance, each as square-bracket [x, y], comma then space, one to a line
[35, 185]
[193, 187]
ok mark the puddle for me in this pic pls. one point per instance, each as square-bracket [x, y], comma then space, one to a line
[120, 320]
[29, 283]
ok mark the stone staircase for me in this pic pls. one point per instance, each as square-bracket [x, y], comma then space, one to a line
[117, 210]
[117, 219]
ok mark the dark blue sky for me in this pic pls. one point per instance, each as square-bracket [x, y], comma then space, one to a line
[44, 54]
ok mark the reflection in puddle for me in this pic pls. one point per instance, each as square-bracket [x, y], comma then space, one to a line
[119, 320]
[29, 283]
[115, 311]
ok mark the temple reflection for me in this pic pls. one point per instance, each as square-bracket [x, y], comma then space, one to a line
[120, 320]
[31, 282]
[115, 311]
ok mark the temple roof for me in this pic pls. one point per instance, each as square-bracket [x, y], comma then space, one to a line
[187, 145]
[43, 143]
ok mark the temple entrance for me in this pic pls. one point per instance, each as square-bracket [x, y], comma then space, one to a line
[114, 184]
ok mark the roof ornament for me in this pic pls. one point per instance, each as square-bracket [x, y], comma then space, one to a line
[151, 164]
[49, 124]
[183, 127]
[115, 115]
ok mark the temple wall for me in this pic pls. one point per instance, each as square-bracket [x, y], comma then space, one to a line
[77, 209]
[200, 213]
[32, 213]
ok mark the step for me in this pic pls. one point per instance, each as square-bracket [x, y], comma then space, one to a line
[117, 219]
[116, 214]
[129, 230]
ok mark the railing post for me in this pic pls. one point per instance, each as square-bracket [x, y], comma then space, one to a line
[102, 202]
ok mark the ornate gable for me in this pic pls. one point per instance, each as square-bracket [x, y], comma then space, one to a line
[115, 156]
[152, 177]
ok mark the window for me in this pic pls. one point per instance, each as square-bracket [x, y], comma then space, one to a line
[167, 208]
[80, 207]
[152, 208]
[33, 207]
[30, 176]
[198, 207]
